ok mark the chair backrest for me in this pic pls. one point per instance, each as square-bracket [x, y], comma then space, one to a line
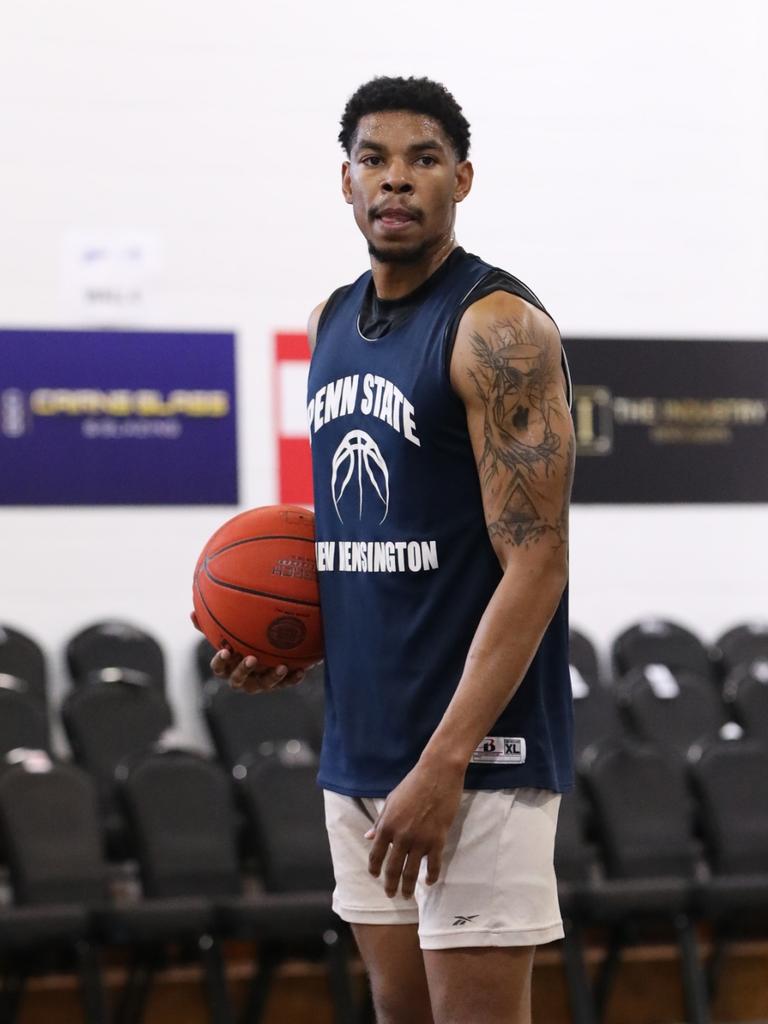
[51, 834]
[730, 779]
[182, 817]
[746, 693]
[641, 810]
[741, 645]
[22, 657]
[673, 707]
[595, 717]
[108, 722]
[573, 854]
[23, 719]
[115, 644]
[286, 818]
[582, 655]
[244, 726]
[658, 641]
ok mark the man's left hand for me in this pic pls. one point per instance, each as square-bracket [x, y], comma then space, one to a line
[414, 824]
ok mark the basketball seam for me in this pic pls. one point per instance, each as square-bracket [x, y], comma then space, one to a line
[256, 593]
[250, 540]
[223, 628]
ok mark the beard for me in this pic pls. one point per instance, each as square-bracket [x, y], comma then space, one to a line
[403, 256]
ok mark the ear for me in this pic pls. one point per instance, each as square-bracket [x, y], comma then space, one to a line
[465, 174]
[346, 184]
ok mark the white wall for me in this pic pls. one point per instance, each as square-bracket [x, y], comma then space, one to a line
[621, 155]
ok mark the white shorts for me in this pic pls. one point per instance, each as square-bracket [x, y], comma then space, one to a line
[497, 883]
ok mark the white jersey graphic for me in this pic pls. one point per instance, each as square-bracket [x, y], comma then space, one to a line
[359, 455]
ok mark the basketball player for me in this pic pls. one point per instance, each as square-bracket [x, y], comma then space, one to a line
[443, 453]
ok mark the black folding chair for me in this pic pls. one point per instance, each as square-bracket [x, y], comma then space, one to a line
[246, 725]
[595, 716]
[106, 723]
[672, 707]
[746, 694]
[52, 839]
[23, 718]
[730, 780]
[115, 645]
[658, 641]
[575, 868]
[23, 658]
[583, 656]
[643, 823]
[285, 812]
[741, 645]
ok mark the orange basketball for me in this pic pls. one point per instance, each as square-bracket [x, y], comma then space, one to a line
[255, 587]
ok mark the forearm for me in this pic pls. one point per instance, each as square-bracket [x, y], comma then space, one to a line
[503, 647]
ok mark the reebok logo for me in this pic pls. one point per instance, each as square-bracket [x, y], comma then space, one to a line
[461, 919]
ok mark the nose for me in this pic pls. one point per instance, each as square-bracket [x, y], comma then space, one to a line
[396, 179]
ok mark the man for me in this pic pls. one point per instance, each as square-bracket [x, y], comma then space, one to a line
[442, 457]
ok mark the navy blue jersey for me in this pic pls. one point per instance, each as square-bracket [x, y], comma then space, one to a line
[405, 564]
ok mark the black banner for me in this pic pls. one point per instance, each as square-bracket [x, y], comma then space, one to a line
[670, 420]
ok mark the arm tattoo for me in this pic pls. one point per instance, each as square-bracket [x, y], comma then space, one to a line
[517, 384]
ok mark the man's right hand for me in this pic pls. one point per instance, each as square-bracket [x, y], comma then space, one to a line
[247, 673]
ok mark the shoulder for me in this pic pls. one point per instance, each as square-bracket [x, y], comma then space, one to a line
[321, 312]
[506, 327]
[312, 323]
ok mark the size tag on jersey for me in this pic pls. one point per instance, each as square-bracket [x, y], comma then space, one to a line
[500, 750]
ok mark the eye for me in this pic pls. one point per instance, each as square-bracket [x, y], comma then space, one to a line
[427, 161]
[371, 161]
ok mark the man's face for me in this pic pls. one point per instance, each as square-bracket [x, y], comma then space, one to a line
[403, 180]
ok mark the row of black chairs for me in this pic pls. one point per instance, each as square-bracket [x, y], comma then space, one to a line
[659, 641]
[649, 844]
[102, 646]
[183, 816]
[673, 707]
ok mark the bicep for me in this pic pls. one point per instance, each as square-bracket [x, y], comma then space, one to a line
[507, 369]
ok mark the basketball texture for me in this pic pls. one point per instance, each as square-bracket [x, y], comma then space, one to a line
[255, 587]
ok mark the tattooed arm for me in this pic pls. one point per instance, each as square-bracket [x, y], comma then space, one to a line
[506, 368]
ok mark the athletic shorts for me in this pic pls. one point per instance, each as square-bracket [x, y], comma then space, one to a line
[497, 882]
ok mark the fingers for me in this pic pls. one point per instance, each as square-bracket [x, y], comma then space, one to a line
[377, 854]
[411, 872]
[394, 869]
[249, 675]
[402, 865]
[223, 662]
[434, 863]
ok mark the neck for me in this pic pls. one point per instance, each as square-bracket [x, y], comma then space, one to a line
[394, 280]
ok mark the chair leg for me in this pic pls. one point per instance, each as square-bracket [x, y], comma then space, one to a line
[337, 966]
[12, 992]
[694, 984]
[715, 963]
[133, 998]
[215, 978]
[579, 991]
[608, 969]
[91, 986]
[261, 983]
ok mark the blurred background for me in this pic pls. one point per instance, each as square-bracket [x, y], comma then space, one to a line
[171, 213]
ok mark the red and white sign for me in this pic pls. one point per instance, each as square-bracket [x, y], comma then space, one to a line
[294, 463]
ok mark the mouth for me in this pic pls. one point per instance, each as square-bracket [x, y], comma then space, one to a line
[395, 217]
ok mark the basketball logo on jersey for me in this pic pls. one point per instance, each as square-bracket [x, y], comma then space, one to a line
[358, 457]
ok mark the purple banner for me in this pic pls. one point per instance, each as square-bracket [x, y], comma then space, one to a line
[117, 418]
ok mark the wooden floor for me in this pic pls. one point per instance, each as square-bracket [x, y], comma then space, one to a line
[647, 991]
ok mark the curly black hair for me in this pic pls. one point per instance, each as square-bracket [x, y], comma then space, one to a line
[420, 95]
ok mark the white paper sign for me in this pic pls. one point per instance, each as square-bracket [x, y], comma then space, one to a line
[109, 277]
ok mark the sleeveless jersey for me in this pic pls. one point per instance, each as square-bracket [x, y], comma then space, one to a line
[405, 565]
